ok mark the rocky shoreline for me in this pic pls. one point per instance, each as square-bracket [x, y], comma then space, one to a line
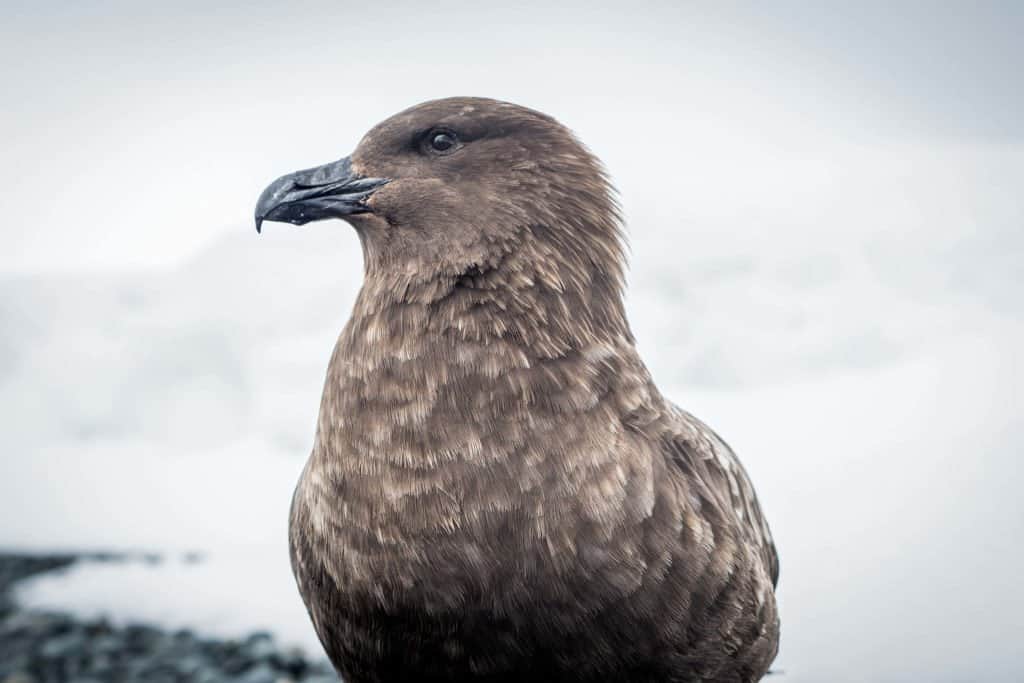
[50, 647]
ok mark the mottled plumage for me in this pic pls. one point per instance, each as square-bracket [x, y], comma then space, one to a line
[497, 490]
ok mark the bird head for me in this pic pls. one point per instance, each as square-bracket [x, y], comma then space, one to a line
[460, 183]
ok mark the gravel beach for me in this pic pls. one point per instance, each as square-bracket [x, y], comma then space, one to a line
[51, 647]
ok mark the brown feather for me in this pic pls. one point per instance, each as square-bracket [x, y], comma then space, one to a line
[497, 490]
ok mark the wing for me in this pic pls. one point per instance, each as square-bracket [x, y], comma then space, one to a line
[712, 466]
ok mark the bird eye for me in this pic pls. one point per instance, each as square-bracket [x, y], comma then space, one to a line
[443, 141]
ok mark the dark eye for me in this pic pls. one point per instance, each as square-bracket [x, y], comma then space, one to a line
[443, 141]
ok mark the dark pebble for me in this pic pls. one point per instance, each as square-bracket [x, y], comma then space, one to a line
[43, 647]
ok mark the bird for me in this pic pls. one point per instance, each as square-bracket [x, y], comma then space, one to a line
[497, 490]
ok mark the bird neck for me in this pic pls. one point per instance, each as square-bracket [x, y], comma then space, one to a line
[540, 293]
[476, 309]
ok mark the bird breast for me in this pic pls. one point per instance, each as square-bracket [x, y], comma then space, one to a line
[474, 467]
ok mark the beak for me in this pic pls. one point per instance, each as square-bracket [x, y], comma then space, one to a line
[333, 190]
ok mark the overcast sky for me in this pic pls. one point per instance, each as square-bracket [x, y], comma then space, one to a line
[135, 133]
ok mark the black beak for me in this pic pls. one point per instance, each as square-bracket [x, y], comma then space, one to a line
[329, 191]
